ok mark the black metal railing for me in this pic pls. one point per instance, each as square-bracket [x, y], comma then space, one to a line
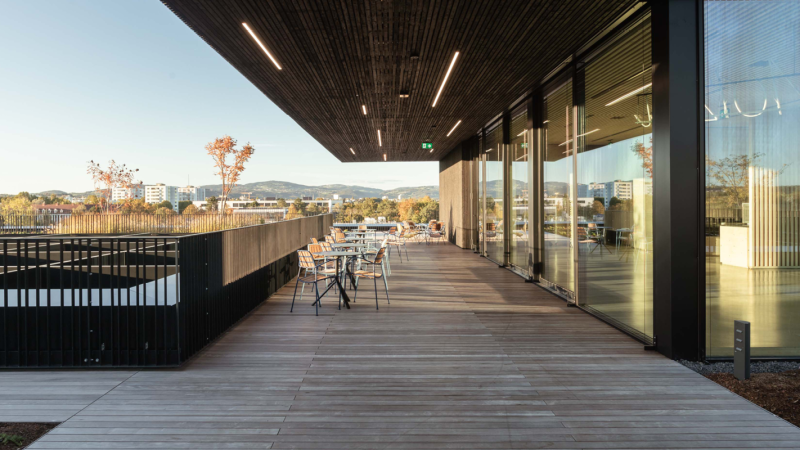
[137, 301]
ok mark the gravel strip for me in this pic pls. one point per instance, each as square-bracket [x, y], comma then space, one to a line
[755, 367]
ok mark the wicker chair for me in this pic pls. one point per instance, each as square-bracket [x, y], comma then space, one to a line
[372, 273]
[319, 272]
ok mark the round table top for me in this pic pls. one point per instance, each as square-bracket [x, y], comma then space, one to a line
[339, 253]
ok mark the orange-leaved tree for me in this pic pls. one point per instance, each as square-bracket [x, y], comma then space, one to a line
[221, 149]
[114, 176]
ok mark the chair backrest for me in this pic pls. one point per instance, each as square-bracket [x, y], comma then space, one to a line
[314, 241]
[410, 224]
[437, 226]
[305, 259]
[340, 238]
[385, 242]
[591, 225]
[314, 248]
[330, 240]
[392, 230]
[362, 228]
[326, 246]
[581, 233]
[379, 255]
[490, 226]
[338, 230]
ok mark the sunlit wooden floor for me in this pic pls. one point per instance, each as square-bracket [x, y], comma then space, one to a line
[466, 356]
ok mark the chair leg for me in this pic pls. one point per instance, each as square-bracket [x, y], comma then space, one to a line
[302, 289]
[316, 304]
[406, 248]
[375, 280]
[355, 294]
[386, 286]
[295, 292]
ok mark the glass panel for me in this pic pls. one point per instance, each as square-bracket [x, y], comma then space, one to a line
[518, 155]
[481, 177]
[615, 190]
[752, 112]
[493, 151]
[558, 267]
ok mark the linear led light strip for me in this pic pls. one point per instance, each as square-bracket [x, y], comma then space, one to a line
[580, 135]
[364, 108]
[258, 41]
[630, 94]
[752, 115]
[352, 151]
[454, 128]
[446, 76]
[384, 156]
[380, 143]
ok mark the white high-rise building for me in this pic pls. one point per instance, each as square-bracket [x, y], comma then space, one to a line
[157, 193]
[126, 193]
[623, 190]
[191, 194]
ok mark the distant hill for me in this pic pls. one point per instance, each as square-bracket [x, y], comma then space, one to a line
[284, 189]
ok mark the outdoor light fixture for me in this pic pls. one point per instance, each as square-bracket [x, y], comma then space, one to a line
[380, 143]
[258, 41]
[384, 156]
[630, 94]
[454, 128]
[546, 121]
[364, 108]
[446, 76]
[351, 151]
[404, 94]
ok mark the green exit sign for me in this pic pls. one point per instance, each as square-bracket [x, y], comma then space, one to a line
[427, 145]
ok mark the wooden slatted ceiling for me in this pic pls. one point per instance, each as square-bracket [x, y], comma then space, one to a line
[337, 55]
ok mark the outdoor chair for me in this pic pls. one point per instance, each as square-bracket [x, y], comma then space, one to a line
[314, 241]
[436, 232]
[398, 240]
[340, 238]
[330, 239]
[319, 272]
[374, 275]
[585, 238]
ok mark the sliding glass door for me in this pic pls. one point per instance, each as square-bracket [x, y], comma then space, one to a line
[558, 266]
[494, 228]
[519, 189]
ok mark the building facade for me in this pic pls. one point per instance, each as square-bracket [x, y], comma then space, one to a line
[159, 192]
[118, 194]
[706, 174]
[191, 194]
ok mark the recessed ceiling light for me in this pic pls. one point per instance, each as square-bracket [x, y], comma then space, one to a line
[258, 41]
[444, 81]
[630, 94]
[364, 108]
[384, 156]
[404, 94]
[380, 143]
[351, 151]
[454, 128]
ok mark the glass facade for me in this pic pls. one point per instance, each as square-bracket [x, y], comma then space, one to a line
[752, 174]
[615, 182]
[519, 186]
[580, 184]
[493, 150]
[558, 265]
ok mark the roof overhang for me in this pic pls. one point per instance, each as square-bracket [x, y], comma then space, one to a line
[338, 58]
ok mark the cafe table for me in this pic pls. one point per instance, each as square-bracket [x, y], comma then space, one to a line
[339, 255]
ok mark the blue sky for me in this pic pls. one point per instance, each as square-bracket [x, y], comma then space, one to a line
[127, 80]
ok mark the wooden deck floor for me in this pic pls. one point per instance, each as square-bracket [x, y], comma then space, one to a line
[467, 356]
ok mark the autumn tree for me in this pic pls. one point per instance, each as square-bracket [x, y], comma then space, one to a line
[730, 176]
[114, 176]
[190, 210]
[212, 203]
[222, 150]
[646, 155]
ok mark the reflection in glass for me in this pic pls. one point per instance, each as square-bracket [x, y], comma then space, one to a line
[752, 112]
[615, 184]
[518, 157]
[493, 152]
[557, 147]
